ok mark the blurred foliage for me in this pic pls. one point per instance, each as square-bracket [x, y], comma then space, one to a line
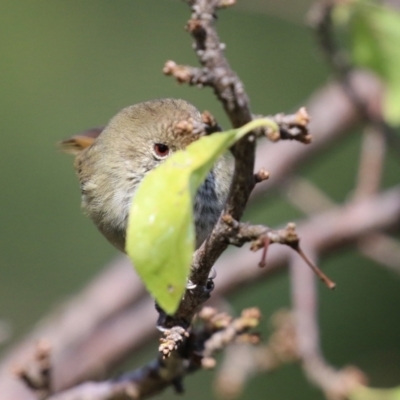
[365, 393]
[375, 37]
[70, 65]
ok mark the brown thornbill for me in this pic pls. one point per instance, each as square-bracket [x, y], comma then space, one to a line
[111, 163]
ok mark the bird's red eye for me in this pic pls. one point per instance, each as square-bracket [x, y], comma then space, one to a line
[161, 150]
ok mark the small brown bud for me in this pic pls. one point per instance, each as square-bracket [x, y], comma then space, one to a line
[226, 3]
[228, 219]
[253, 312]
[195, 27]
[261, 175]
[207, 313]
[208, 363]
[169, 67]
[272, 135]
[302, 117]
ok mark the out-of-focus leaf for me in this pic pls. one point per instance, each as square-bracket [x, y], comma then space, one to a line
[161, 235]
[366, 393]
[375, 34]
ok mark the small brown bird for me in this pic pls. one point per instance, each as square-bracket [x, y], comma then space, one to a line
[111, 163]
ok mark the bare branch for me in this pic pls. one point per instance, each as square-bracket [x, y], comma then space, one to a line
[291, 127]
[323, 232]
[249, 319]
[186, 74]
[242, 361]
[307, 197]
[159, 374]
[332, 115]
[131, 328]
[228, 88]
[372, 159]
[238, 234]
[336, 384]
[376, 246]
[261, 236]
[382, 249]
[171, 340]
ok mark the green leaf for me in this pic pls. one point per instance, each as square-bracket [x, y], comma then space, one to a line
[375, 32]
[161, 235]
[366, 393]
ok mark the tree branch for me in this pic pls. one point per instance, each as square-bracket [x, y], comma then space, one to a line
[217, 73]
[336, 384]
[159, 374]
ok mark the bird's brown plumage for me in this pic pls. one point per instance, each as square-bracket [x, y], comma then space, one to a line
[111, 166]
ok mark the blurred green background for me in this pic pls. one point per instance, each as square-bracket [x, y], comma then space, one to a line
[69, 65]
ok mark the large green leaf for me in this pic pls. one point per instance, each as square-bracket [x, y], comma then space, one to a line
[160, 235]
[375, 34]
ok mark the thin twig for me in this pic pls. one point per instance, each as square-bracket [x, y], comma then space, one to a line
[261, 236]
[291, 127]
[377, 246]
[372, 158]
[243, 361]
